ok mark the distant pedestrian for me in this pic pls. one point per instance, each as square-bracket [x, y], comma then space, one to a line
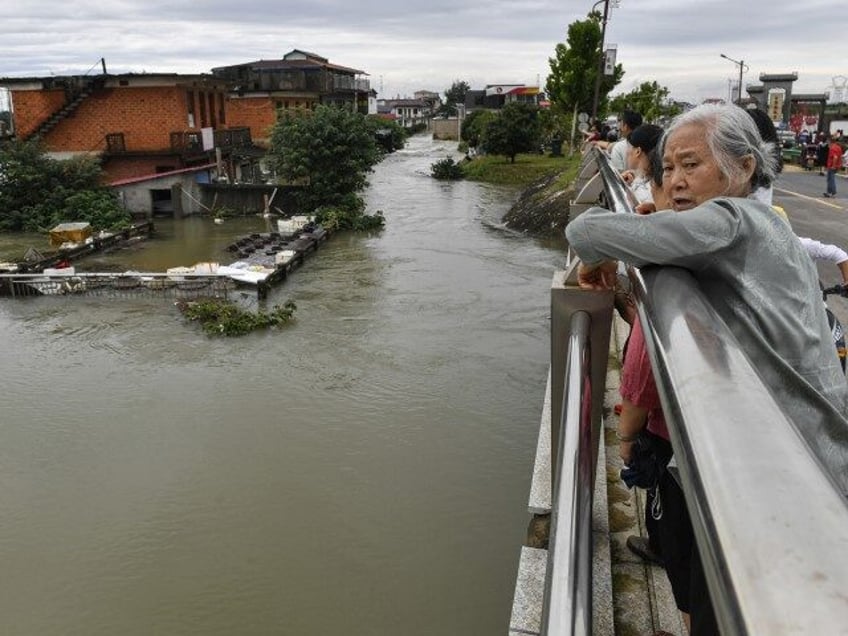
[833, 164]
[821, 152]
[627, 123]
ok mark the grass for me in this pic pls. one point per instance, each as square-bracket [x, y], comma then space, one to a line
[526, 170]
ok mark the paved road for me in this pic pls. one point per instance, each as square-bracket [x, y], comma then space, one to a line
[826, 220]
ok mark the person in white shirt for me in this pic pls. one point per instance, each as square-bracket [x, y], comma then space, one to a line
[642, 142]
[627, 123]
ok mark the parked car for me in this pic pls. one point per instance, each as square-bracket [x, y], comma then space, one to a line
[787, 138]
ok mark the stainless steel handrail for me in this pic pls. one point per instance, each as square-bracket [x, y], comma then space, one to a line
[771, 527]
[567, 607]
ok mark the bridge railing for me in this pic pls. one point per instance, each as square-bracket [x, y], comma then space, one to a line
[771, 527]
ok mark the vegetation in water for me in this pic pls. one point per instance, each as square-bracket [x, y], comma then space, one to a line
[220, 317]
[335, 218]
[446, 169]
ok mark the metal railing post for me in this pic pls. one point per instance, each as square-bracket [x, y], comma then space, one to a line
[567, 608]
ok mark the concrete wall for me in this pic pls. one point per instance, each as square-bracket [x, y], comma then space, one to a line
[176, 195]
[182, 195]
[446, 128]
[248, 198]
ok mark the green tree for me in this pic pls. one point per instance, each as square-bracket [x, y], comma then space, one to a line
[331, 150]
[516, 129]
[474, 126]
[575, 66]
[453, 96]
[650, 99]
[389, 134]
[38, 192]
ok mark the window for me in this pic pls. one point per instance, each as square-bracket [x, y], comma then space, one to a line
[202, 101]
[190, 108]
[222, 111]
[115, 142]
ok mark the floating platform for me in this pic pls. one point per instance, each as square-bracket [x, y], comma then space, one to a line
[263, 260]
[72, 252]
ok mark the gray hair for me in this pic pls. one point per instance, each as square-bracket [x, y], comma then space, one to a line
[731, 136]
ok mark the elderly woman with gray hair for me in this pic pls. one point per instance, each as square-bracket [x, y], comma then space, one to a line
[749, 265]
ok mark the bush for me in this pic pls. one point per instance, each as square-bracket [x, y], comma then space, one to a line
[37, 192]
[224, 318]
[447, 169]
[335, 219]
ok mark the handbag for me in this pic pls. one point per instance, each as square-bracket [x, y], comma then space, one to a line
[648, 460]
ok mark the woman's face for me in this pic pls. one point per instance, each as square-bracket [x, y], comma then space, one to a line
[634, 159]
[691, 175]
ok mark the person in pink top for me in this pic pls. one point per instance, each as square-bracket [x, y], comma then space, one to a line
[641, 423]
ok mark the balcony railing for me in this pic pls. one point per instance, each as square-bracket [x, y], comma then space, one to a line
[227, 139]
[233, 138]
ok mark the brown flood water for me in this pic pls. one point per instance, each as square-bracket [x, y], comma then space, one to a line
[364, 471]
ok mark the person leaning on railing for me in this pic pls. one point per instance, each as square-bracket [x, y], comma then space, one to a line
[645, 449]
[749, 266]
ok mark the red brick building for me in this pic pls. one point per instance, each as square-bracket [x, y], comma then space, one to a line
[261, 90]
[139, 124]
[171, 132]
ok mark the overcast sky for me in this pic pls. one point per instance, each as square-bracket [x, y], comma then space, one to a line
[406, 46]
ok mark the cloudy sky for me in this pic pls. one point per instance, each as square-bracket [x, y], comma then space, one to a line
[407, 46]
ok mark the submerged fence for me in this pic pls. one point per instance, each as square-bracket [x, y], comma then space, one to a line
[116, 285]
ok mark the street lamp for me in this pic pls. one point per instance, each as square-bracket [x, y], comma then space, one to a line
[742, 67]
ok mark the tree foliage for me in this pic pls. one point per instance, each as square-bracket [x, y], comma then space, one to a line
[575, 67]
[38, 192]
[453, 96]
[332, 151]
[389, 134]
[649, 98]
[474, 126]
[514, 130]
[446, 169]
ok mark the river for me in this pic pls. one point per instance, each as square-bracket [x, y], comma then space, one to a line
[362, 471]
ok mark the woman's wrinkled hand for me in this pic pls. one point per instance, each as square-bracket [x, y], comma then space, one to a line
[645, 208]
[599, 276]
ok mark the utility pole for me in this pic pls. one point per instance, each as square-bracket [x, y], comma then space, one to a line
[600, 58]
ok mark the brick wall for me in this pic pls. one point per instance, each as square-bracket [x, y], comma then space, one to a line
[146, 116]
[33, 107]
[257, 113]
[118, 168]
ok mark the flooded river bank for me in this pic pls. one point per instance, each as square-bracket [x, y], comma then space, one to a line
[363, 471]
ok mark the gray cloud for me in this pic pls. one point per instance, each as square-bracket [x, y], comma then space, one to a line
[408, 47]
